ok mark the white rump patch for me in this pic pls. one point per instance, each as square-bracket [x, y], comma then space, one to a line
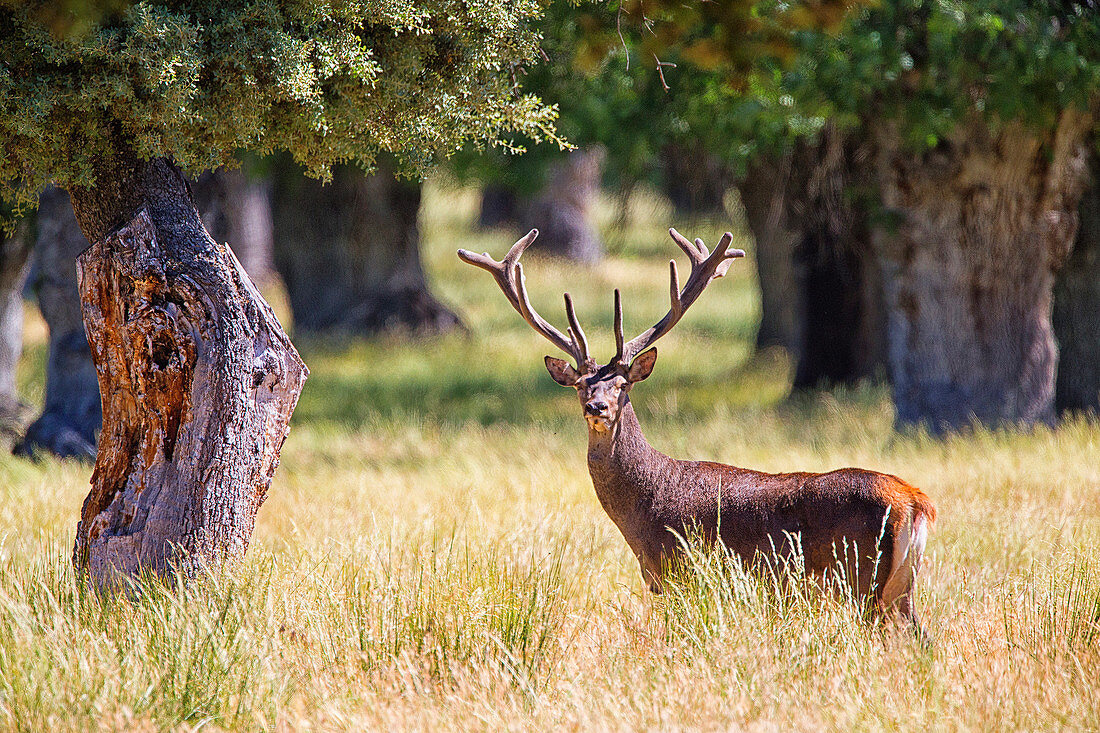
[908, 548]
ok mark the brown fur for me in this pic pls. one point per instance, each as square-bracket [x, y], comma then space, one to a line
[850, 517]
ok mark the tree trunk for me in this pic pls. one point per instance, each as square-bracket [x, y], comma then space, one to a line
[349, 252]
[499, 207]
[562, 211]
[821, 297]
[763, 193]
[198, 381]
[694, 180]
[14, 250]
[981, 223]
[1077, 310]
[71, 415]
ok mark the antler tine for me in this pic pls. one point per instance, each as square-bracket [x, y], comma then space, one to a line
[540, 324]
[520, 247]
[690, 248]
[508, 274]
[705, 266]
[618, 326]
[576, 333]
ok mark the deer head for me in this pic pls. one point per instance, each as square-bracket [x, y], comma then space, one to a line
[602, 389]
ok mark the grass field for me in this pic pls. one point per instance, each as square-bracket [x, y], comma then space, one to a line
[432, 554]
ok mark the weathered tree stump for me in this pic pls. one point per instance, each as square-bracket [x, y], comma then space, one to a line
[198, 382]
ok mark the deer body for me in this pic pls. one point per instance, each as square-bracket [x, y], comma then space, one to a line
[656, 500]
[869, 528]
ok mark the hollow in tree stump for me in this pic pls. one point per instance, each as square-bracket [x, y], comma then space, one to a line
[198, 382]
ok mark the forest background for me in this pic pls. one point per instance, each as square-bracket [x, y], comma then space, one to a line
[908, 180]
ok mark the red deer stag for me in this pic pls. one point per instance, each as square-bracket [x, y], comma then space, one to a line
[873, 524]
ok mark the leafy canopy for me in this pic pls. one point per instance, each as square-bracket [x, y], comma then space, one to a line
[199, 80]
[934, 64]
[639, 75]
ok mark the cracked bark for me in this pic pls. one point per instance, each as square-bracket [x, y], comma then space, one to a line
[197, 377]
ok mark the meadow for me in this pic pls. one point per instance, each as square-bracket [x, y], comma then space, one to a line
[432, 555]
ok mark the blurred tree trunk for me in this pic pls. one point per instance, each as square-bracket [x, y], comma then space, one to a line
[198, 381]
[1076, 314]
[843, 337]
[982, 222]
[499, 207]
[563, 210]
[349, 252]
[695, 181]
[821, 297]
[71, 416]
[763, 193]
[236, 209]
[14, 252]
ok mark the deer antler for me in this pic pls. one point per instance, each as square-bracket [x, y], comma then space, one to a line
[705, 266]
[509, 276]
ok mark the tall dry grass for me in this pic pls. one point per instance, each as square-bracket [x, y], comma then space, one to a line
[432, 555]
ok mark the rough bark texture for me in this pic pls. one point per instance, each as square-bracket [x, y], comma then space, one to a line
[349, 252]
[71, 416]
[14, 251]
[1077, 310]
[562, 211]
[981, 223]
[197, 377]
[821, 296]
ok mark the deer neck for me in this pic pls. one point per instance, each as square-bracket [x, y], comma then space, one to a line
[625, 469]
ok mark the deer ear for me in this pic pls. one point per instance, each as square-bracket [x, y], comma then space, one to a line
[642, 366]
[562, 372]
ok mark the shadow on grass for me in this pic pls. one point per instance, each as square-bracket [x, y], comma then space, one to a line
[450, 381]
[359, 393]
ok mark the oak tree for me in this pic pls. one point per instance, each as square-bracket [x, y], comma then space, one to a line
[197, 378]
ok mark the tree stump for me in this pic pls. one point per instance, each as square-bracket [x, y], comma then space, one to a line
[198, 382]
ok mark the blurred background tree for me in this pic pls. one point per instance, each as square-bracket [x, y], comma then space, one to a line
[976, 120]
[911, 172]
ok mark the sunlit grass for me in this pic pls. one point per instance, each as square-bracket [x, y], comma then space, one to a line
[432, 555]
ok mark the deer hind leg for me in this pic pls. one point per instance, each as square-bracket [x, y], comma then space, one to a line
[897, 592]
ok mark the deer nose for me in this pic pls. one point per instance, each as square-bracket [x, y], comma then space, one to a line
[595, 407]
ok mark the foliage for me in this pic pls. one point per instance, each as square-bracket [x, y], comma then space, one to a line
[198, 80]
[932, 64]
[637, 76]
